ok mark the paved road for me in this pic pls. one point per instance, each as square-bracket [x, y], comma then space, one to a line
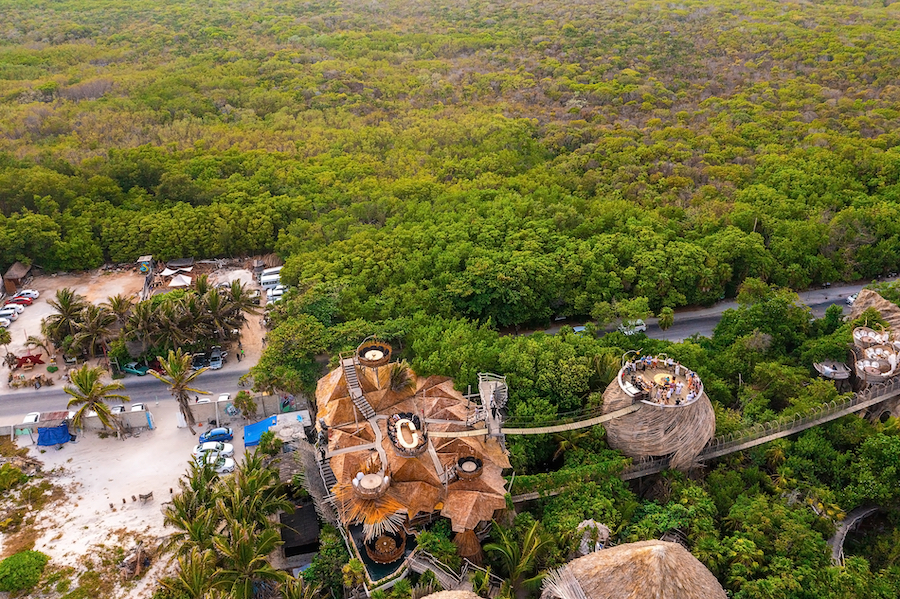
[146, 389]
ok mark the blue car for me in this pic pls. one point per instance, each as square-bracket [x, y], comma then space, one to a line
[217, 434]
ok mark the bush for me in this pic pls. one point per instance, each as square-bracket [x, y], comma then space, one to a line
[10, 477]
[20, 572]
[269, 444]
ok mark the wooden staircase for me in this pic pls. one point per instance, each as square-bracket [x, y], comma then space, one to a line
[356, 393]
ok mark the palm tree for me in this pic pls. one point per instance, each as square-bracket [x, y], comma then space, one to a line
[89, 392]
[120, 305]
[218, 310]
[41, 342]
[520, 559]
[568, 441]
[5, 338]
[68, 306]
[244, 552]
[297, 588]
[178, 375]
[93, 330]
[241, 300]
[400, 377]
[201, 284]
[141, 323]
[196, 570]
[193, 530]
[666, 318]
[252, 494]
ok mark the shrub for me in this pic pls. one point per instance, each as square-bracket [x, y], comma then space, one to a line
[10, 477]
[22, 571]
[269, 444]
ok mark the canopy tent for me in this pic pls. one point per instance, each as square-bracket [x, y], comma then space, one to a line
[253, 432]
[180, 281]
[168, 272]
[56, 435]
[180, 263]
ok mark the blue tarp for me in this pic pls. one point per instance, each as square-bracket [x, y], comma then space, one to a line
[253, 432]
[56, 435]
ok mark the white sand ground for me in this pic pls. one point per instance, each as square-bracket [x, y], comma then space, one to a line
[101, 472]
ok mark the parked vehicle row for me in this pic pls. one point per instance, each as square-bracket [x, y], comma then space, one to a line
[34, 417]
[213, 359]
[16, 305]
[214, 449]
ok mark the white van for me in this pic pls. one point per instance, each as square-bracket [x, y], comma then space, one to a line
[270, 281]
[9, 314]
[270, 271]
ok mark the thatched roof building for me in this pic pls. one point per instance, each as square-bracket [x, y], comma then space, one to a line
[657, 428]
[421, 478]
[889, 311]
[644, 570]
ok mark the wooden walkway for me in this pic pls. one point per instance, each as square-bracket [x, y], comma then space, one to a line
[847, 524]
[725, 445]
[541, 430]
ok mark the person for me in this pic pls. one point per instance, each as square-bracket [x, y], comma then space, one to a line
[679, 387]
[196, 399]
[242, 354]
[669, 396]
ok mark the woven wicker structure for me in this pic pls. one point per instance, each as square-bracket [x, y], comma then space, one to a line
[871, 299]
[677, 431]
[469, 547]
[644, 570]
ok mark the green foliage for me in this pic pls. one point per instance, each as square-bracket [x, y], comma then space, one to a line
[326, 567]
[269, 444]
[22, 571]
[11, 477]
[244, 402]
[437, 542]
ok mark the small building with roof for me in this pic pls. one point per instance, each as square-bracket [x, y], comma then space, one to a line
[391, 442]
[642, 570]
[15, 276]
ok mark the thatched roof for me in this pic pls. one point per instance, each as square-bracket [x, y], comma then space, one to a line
[680, 432]
[644, 570]
[889, 311]
[453, 595]
[468, 546]
[17, 271]
[416, 482]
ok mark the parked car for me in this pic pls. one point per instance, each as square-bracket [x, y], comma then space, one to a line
[9, 314]
[17, 307]
[29, 293]
[21, 300]
[216, 363]
[851, 299]
[224, 397]
[117, 409]
[255, 297]
[222, 433]
[5, 322]
[221, 465]
[199, 361]
[135, 368]
[137, 407]
[32, 418]
[226, 450]
[632, 327]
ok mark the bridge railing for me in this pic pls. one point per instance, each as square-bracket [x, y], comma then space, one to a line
[725, 442]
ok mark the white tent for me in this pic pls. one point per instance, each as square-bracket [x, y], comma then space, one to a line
[180, 281]
[168, 272]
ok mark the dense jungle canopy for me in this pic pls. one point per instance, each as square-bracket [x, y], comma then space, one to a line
[434, 170]
[504, 160]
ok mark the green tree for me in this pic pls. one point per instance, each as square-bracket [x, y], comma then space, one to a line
[68, 307]
[519, 556]
[177, 373]
[666, 318]
[93, 328]
[90, 394]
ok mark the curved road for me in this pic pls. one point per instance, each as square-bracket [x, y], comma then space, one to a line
[16, 403]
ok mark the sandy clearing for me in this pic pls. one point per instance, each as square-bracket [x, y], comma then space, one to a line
[101, 472]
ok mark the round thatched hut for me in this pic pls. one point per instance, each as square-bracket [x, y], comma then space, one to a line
[675, 418]
[644, 570]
